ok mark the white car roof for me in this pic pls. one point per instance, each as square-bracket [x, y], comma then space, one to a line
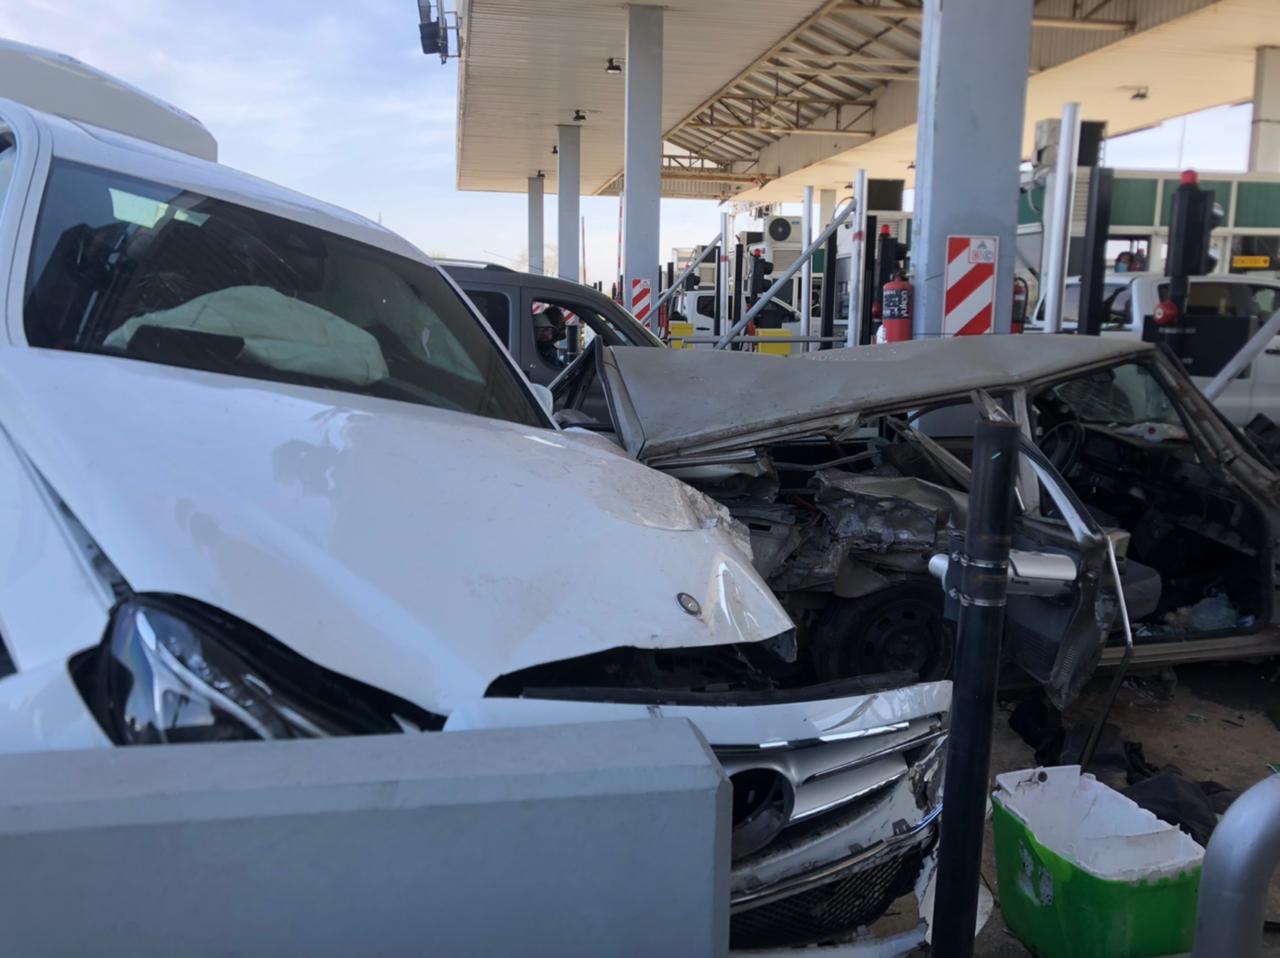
[55, 83]
[1113, 278]
[81, 142]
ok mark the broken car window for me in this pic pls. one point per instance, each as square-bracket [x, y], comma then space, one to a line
[160, 274]
[1126, 396]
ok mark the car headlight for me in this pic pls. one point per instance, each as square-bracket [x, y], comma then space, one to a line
[175, 670]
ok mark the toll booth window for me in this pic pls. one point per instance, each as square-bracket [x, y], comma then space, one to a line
[496, 310]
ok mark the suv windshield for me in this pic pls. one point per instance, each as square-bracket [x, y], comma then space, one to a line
[157, 273]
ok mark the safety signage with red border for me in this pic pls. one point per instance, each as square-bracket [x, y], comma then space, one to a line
[641, 298]
[968, 306]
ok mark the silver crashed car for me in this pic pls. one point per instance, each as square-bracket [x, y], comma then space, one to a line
[850, 470]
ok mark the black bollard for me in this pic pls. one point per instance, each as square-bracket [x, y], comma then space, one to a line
[983, 582]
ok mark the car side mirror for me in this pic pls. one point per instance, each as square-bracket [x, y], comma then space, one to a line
[545, 399]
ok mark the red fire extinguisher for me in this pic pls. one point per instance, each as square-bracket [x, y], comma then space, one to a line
[1021, 296]
[895, 309]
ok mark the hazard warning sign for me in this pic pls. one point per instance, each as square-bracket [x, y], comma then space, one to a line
[968, 306]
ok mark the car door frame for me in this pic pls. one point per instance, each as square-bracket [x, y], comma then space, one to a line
[512, 294]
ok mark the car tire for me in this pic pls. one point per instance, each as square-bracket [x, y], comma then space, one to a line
[898, 629]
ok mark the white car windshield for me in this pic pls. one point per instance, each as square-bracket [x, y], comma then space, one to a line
[157, 273]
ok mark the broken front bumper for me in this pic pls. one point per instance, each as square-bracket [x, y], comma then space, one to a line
[862, 819]
[835, 801]
[833, 901]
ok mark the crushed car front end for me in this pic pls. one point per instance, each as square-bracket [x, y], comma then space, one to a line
[250, 542]
[836, 788]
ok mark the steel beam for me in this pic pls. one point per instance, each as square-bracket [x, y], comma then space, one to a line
[642, 145]
[1050, 23]
[969, 143]
[535, 223]
[568, 185]
[850, 59]
[816, 101]
[795, 67]
[776, 130]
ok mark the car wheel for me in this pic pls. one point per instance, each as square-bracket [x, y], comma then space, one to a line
[898, 629]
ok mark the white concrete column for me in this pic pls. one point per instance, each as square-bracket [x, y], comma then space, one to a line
[969, 142]
[568, 179]
[536, 263]
[826, 206]
[642, 175]
[1264, 135]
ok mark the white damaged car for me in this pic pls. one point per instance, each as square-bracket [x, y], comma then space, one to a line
[266, 474]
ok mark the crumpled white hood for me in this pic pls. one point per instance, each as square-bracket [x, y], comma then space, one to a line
[422, 551]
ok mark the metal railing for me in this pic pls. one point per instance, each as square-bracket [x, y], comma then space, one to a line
[1238, 865]
[732, 333]
[688, 271]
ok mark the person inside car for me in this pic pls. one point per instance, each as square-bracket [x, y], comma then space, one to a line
[549, 329]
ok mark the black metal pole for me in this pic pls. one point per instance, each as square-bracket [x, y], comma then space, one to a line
[827, 321]
[983, 583]
[869, 270]
[735, 307]
[1092, 277]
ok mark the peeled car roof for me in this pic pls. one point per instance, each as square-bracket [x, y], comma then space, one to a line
[680, 400]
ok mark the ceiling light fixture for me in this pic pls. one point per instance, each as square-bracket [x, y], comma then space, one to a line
[613, 66]
[579, 116]
[555, 150]
[1139, 93]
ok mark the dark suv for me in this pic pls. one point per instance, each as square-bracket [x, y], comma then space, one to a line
[511, 302]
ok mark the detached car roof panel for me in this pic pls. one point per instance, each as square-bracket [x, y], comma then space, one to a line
[676, 402]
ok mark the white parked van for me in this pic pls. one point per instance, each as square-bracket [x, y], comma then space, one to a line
[1228, 307]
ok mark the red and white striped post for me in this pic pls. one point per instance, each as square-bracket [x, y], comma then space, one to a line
[641, 299]
[968, 307]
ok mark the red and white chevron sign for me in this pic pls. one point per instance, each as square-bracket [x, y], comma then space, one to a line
[968, 306]
[641, 298]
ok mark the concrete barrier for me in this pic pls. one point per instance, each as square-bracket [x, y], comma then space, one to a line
[597, 839]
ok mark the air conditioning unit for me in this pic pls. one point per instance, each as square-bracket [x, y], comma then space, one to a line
[783, 241]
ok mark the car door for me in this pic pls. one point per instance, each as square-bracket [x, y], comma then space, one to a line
[588, 321]
[1264, 393]
[1057, 563]
[497, 304]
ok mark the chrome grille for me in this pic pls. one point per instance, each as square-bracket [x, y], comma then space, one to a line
[826, 774]
[837, 904]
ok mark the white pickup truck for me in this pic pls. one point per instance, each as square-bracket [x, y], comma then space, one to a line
[1229, 306]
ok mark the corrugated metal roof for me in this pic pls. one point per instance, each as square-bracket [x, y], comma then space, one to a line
[761, 98]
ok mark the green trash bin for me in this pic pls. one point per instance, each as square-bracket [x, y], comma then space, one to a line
[1083, 872]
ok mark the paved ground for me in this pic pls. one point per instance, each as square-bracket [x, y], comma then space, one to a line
[1215, 726]
[1212, 723]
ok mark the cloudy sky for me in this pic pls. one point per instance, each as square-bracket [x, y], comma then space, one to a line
[334, 98]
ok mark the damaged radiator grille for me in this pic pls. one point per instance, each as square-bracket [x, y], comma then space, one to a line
[838, 906]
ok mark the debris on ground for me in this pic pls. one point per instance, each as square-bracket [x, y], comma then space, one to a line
[1174, 798]
[1165, 791]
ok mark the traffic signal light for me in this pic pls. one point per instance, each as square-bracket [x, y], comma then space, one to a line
[1192, 218]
